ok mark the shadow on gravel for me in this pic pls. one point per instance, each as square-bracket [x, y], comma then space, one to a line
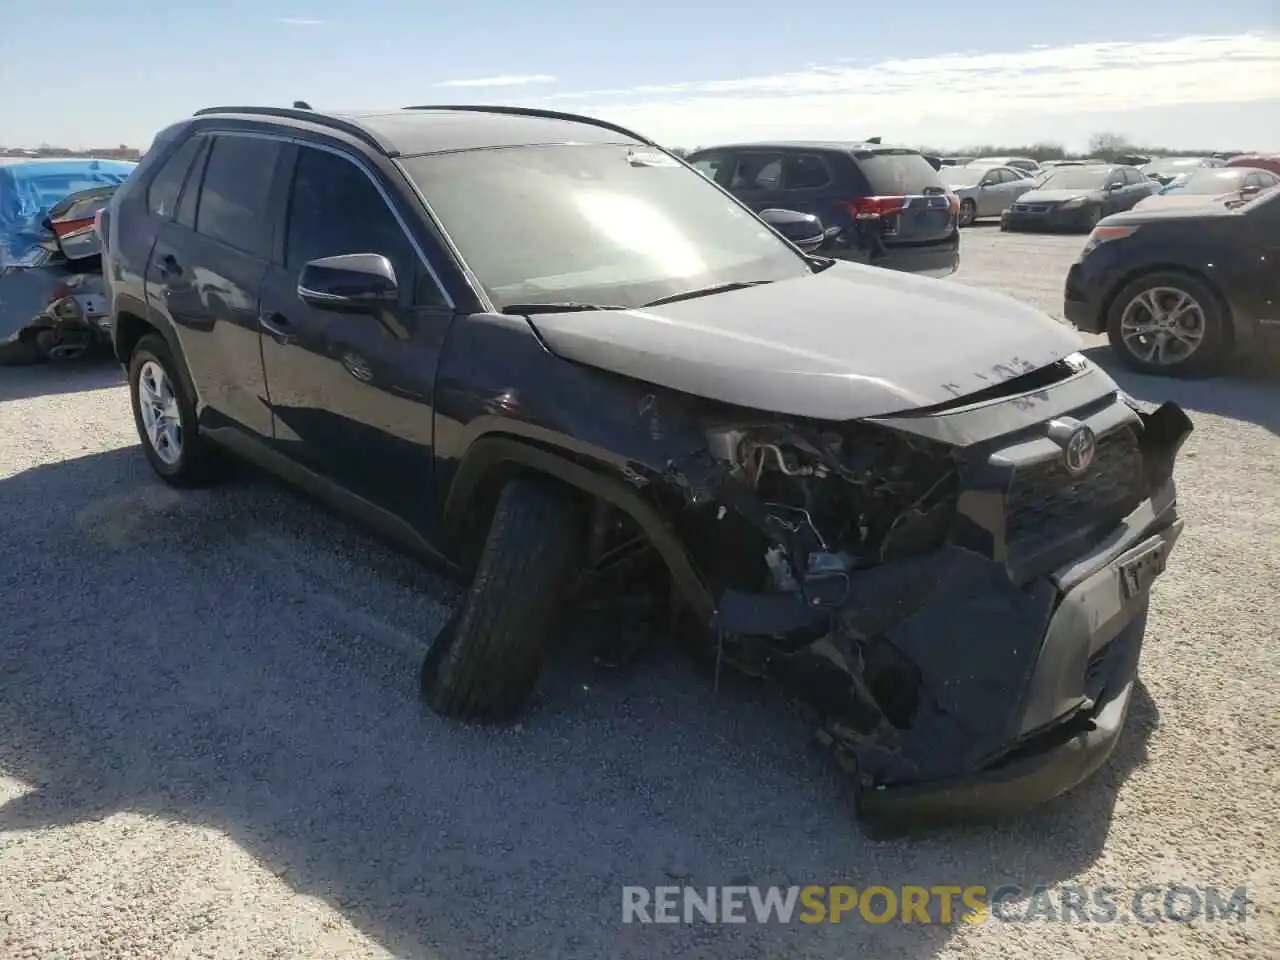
[1249, 390]
[238, 659]
[50, 379]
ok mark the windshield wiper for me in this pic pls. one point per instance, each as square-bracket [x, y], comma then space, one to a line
[568, 306]
[707, 291]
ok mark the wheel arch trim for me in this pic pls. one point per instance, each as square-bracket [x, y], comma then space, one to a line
[496, 452]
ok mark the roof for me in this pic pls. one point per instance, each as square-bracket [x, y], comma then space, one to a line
[841, 146]
[413, 131]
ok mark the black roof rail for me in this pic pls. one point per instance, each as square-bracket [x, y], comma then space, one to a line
[536, 112]
[349, 127]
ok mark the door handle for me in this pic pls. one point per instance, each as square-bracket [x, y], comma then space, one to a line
[169, 266]
[278, 327]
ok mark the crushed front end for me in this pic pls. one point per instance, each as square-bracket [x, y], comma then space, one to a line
[960, 592]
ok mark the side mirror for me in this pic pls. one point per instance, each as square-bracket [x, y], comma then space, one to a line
[1250, 191]
[350, 283]
[803, 229]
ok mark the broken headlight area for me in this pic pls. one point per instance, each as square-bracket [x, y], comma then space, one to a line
[802, 508]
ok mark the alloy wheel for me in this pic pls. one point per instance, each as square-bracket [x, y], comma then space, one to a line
[1163, 326]
[161, 418]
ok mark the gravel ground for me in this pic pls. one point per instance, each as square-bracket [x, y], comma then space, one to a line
[211, 743]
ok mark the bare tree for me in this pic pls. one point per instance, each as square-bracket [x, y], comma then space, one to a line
[1109, 146]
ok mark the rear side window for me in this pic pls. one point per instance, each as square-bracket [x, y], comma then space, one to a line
[162, 195]
[897, 173]
[233, 197]
[804, 173]
[757, 171]
[710, 165]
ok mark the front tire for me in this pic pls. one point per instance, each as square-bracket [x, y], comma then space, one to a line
[1167, 323]
[165, 416]
[483, 665]
[968, 213]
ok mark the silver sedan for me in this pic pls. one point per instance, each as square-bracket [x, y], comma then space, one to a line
[985, 191]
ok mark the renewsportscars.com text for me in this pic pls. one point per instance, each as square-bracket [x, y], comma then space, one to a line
[1009, 903]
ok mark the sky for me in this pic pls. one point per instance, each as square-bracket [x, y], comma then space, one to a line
[947, 73]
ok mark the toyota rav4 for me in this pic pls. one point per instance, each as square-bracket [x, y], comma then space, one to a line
[542, 351]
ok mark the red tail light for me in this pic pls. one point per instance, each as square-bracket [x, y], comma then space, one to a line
[873, 207]
[62, 227]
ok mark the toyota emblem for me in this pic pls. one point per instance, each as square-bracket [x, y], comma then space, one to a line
[1078, 453]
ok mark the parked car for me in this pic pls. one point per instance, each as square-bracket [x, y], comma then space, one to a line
[1164, 169]
[1257, 161]
[1177, 288]
[1022, 163]
[1076, 198]
[985, 191]
[884, 205]
[1222, 183]
[573, 357]
[53, 299]
[955, 161]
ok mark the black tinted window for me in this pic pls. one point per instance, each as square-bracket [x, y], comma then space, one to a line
[334, 208]
[162, 195]
[233, 197]
[709, 166]
[804, 173]
[757, 171]
[191, 191]
[897, 173]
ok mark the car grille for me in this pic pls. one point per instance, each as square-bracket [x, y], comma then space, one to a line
[1045, 502]
[1031, 207]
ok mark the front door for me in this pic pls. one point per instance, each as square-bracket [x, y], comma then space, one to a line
[353, 394]
[756, 179]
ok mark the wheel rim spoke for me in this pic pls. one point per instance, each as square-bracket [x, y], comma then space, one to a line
[159, 411]
[1163, 326]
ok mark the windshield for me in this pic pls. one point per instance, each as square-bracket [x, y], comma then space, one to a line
[1173, 165]
[599, 223]
[1208, 182]
[960, 176]
[1073, 178]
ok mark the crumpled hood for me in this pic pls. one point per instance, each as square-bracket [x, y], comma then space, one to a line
[849, 342]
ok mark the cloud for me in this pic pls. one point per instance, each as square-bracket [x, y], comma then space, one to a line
[956, 98]
[504, 81]
[300, 22]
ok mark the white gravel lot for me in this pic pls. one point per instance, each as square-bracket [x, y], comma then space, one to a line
[211, 743]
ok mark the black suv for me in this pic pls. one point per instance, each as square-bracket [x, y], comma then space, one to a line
[881, 205]
[546, 353]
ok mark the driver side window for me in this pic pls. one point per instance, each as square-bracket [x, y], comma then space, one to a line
[334, 208]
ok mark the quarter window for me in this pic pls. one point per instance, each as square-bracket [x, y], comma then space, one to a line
[162, 195]
[804, 173]
[235, 191]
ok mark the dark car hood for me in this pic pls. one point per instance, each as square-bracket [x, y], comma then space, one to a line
[852, 341]
[1057, 196]
[1212, 209]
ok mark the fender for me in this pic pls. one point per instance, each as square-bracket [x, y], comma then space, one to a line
[494, 452]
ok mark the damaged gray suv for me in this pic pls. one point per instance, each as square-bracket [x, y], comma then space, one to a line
[540, 350]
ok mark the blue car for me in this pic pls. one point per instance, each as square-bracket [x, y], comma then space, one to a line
[30, 188]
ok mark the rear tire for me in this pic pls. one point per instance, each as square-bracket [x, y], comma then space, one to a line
[485, 662]
[183, 458]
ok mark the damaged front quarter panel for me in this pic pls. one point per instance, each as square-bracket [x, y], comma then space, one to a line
[837, 556]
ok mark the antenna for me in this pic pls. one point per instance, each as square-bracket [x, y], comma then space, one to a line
[301, 105]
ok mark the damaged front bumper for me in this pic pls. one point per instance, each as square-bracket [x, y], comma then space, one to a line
[994, 672]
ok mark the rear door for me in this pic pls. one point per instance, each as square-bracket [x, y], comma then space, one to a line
[903, 193]
[206, 269]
